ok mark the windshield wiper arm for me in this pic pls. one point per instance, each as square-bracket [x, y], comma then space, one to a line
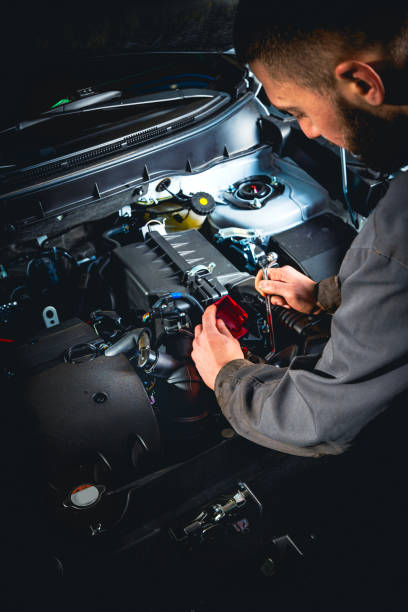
[67, 110]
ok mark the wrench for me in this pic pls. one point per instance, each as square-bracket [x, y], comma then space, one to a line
[268, 262]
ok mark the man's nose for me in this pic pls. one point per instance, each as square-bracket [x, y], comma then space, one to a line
[308, 128]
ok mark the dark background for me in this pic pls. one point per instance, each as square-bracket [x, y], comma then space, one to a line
[46, 45]
[90, 26]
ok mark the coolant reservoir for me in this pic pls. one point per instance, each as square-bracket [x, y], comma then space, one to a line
[193, 216]
[184, 220]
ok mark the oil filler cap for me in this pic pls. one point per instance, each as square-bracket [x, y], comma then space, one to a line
[202, 203]
[84, 496]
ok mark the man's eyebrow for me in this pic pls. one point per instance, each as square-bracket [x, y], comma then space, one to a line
[288, 109]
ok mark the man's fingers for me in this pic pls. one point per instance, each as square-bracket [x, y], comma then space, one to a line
[222, 328]
[277, 274]
[211, 323]
[274, 274]
[284, 274]
[209, 318]
[198, 330]
[258, 279]
[274, 288]
[277, 300]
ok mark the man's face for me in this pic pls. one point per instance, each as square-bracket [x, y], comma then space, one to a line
[379, 142]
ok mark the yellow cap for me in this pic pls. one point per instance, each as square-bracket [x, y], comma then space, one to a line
[203, 201]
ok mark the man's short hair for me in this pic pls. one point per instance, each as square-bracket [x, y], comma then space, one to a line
[306, 40]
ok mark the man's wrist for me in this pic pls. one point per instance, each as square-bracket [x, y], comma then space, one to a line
[328, 294]
[317, 307]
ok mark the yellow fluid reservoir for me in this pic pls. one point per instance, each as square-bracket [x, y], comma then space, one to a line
[178, 219]
[184, 220]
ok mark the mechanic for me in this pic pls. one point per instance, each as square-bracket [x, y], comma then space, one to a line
[341, 71]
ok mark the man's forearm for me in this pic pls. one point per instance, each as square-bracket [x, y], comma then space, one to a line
[263, 404]
[315, 406]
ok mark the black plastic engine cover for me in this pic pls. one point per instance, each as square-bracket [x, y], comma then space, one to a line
[162, 264]
[97, 408]
[317, 247]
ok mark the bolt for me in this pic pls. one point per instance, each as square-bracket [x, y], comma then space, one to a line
[272, 258]
[95, 530]
[100, 397]
[256, 203]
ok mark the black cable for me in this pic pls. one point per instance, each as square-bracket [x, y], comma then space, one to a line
[177, 197]
[91, 264]
[179, 296]
[92, 348]
[137, 484]
[112, 298]
[60, 251]
[106, 235]
[159, 213]
[103, 266]
[83, 285]
[51, 253]
[11, 297]
[185, 217]
[133, 486]
[108, 288]
[192, 300]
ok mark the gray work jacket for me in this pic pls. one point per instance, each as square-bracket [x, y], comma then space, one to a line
[316, 406]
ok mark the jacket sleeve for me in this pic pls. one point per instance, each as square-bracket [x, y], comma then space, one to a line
[328, 294]
[317, 407]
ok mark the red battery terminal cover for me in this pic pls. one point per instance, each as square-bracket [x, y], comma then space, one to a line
[233, 316]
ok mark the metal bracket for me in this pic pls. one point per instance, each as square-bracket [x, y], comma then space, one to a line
[238, 232]
[214, 514]
[201, 268]
[50, 316]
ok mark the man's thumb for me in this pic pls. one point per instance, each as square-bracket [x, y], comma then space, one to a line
[222, 328]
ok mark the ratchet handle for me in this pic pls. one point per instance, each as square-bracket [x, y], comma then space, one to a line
[269, 315]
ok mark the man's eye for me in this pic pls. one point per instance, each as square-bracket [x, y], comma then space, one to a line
[293, 116]
[286, 116]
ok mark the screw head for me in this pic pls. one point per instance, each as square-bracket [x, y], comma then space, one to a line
[100, 397]
[256, 203]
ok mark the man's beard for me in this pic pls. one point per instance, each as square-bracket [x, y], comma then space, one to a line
[379, 143]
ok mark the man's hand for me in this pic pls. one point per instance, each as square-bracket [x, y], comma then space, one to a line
[289, 288]
[213, 346]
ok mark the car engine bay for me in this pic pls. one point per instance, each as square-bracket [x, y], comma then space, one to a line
[112, 247]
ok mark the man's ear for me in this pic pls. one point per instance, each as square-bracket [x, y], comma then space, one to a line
[358, 80]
